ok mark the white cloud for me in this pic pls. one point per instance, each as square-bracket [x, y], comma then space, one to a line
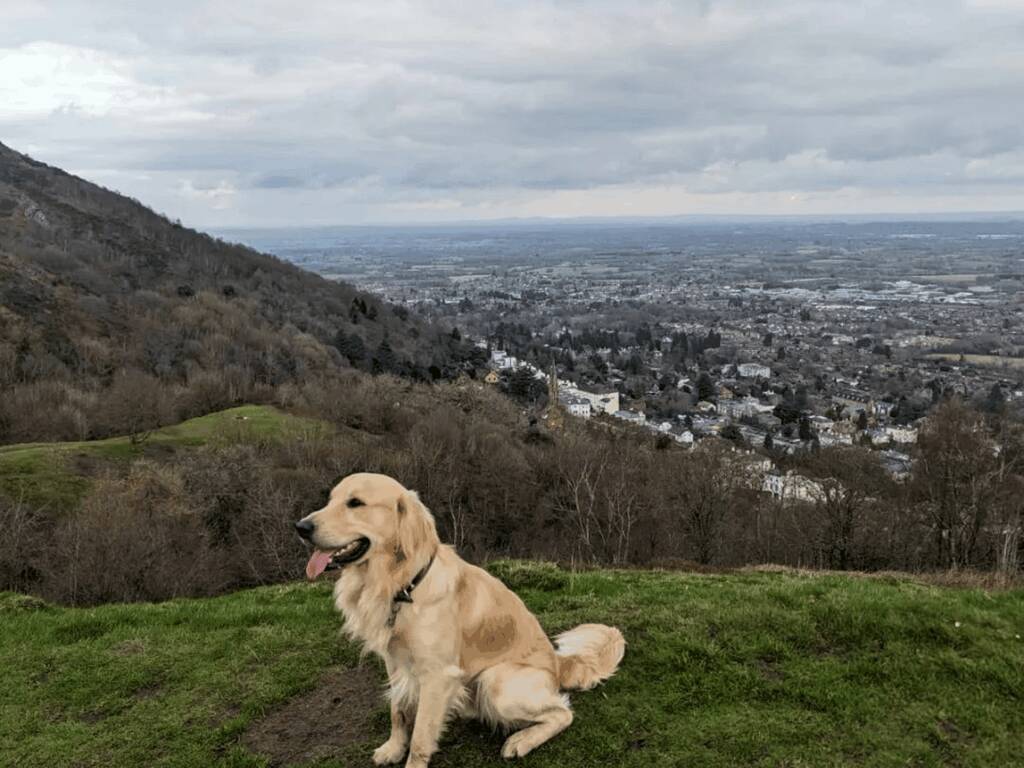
[42, 78]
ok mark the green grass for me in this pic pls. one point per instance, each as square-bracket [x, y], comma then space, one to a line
[57, 475]
[748, 669]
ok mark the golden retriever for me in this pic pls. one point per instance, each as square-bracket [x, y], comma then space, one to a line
[454, 639]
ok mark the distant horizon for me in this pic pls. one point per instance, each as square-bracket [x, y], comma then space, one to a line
[952, 217]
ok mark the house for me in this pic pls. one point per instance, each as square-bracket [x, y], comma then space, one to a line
[491, 377]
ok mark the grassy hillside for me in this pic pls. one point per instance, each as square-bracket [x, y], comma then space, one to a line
[56, 475]
[751, 669]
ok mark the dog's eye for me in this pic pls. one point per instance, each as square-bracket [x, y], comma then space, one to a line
[353, 503]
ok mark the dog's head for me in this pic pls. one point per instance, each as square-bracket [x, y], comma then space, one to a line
[367, 516]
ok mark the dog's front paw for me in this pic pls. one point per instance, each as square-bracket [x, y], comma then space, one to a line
[390, 752]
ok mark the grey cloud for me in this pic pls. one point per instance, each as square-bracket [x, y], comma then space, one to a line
[503, 103]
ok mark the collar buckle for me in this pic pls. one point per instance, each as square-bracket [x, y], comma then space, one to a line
[404, 595]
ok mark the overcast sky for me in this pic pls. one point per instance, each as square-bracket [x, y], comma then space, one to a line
[275, 113]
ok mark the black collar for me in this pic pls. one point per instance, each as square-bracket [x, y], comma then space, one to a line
[404, 595]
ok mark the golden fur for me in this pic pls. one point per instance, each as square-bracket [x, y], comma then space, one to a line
[466, 645]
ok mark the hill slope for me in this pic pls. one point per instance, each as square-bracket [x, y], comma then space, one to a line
[54, 476]
[752, 669]
[93, 284]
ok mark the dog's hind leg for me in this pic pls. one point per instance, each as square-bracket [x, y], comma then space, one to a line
[514, 696]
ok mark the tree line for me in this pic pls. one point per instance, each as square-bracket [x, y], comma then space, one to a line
[206, 520]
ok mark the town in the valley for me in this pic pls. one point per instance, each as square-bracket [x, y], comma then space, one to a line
[777, 336]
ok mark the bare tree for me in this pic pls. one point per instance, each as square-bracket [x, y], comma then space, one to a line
[846, 482]
[137, 403]
[710, 478]
[960, 479]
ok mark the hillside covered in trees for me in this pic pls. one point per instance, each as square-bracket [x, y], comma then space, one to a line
[113, 318]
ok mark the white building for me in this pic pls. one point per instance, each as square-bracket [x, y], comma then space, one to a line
[685, 437]
[576, 406]
[754, 371]
[502, 360]
[599, 403]
[901, 434]
[746, 406]
[827, 439]
[790, 486]
[631, 416]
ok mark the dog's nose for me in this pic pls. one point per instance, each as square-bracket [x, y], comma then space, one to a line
[305, 529]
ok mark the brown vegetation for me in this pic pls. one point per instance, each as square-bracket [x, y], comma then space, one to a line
[210, 520]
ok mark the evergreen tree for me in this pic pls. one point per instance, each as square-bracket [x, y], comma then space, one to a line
[705, 387]
[351, 347]
[995, 401]
[521, 383]
[385, 360]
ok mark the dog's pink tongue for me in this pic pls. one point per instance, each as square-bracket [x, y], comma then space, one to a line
[317, 563]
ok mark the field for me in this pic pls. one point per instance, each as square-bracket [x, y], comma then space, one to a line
[997, 361]
[58, 474]
[745, 669]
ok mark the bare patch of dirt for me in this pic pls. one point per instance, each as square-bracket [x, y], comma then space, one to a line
[147, 692]
[769, 671]
[322, 723]
[129, 647]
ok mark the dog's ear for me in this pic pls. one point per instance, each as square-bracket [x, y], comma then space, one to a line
[416, 529]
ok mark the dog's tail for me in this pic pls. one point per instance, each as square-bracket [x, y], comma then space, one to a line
[588, 655]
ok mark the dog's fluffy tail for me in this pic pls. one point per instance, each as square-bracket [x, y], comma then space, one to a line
[588, 655]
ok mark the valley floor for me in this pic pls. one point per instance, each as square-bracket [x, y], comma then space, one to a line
[744, 669]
